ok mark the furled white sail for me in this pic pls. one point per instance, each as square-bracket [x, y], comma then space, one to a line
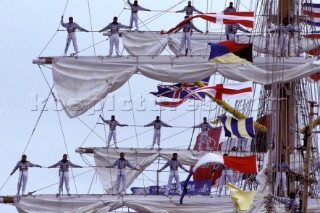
[82, 82]
[108, 203]
[141, 158]
[154, 43]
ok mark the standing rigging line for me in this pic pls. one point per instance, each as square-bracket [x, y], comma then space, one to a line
[56, 101]
[65, 143]
[134, 118]
[91, 130]
[4, 183]
[64, 10]
[94, 49]
[42, 110]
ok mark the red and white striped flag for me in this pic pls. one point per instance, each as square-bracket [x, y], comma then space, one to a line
[245, 164]
[219, 91]
[244, 18]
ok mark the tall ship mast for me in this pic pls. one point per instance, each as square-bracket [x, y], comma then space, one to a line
[283, 107]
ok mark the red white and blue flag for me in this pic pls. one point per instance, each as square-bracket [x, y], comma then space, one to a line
[313, 13]
[241, 90]
[181, 90]
[244, 18]
[230, 52]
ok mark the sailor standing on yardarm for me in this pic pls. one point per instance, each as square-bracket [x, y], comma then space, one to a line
[23, 167]
[227, 173]
[121, 163]
[64, 165]
[281, 168]
[205, 126]
[113, 123]
[157, 127]
[114, 37]
[228, 27]
[174, 163]
[134, 12]
[186, 37]
[316, 167]
[71, 28]
[189, 10]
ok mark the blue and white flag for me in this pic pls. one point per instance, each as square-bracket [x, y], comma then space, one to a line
[242, 128]
[198, 187]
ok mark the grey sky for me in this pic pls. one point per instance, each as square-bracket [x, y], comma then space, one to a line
[27, 26]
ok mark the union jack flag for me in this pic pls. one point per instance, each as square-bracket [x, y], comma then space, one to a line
[180, 90]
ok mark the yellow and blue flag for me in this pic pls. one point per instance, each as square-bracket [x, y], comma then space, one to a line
[242, 128]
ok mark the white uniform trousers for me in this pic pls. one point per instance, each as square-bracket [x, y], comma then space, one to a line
[226, 174]
[63, 177]
[233, 37]
[22, 181]
[173, 174]
[283, 44]
[185, 38]
[318, 187]
[134, 18]
[156, 137]
[204, 137]
[114, 41]
[121, 176]
[281, 177]
[112, 134]
[71, 36]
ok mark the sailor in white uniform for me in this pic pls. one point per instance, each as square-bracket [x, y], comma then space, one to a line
[71, 29]
[64, 165]
[157, 127]
[228, 27]
[114, 37]
[121, 163]
[23, 167]
[113, 123]
[134, 12]
[316, 167]
[186, 37]
[227, 173]
[232, 29]
[284, 35]
[174, 163]
[281, 168]
[205, 126]
[189, 10]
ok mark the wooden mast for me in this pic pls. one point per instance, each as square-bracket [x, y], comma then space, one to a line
[286, 101]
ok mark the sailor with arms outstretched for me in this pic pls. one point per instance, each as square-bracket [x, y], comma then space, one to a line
[114, 37]
[157, 127]
[71, 28]
[113, 123]
[205, 126]
[174, 163]
[121, 163]
[134, 12]
[23, 167]
[64, 165]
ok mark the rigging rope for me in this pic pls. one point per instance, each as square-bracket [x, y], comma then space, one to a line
[38, 120]
[58, 182]
[5, 183]
[64, 10]
[94, 49]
